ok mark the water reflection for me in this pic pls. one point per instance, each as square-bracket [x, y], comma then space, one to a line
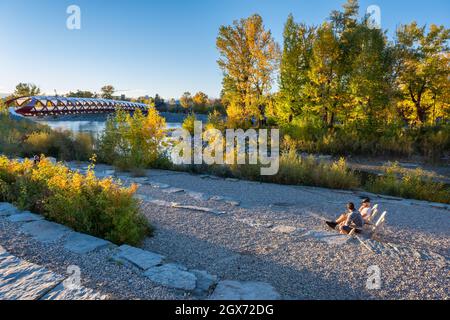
[87, 126]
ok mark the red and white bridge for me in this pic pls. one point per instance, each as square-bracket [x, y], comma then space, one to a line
[55, 105]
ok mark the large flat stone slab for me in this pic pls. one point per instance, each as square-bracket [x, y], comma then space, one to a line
[25, 217]
[237, 290]
[202, 209]
[63, 292]
[205, 282]
[332, 238]
[82, 243]
[138, 257]
[45, 231]
[22, 280]
[172, 190]
[159, 185]
[172, 276]
[163, 203]
[7, 209]
[227, 200]
[197, 195]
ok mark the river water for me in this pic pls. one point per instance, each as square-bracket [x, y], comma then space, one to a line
[95, 127]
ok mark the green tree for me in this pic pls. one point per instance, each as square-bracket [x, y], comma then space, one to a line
[423, 70]
[26, 89]
[295, 63]
[324, 88]
[82, 94]
[107, 92]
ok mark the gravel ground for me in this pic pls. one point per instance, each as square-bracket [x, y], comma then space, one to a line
[98, 271]
[240, 245]
[299, 267]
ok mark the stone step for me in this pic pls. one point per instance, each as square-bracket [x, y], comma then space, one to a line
[173, 276]
[22, 280]
[82, 243]
[25, 217]
[202, 209]
[45, 231]
[237, 290]
[141, 258]
[7, 209]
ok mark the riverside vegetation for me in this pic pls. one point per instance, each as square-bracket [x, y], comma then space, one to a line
[344, 88]
[135, 143]
[99, 207]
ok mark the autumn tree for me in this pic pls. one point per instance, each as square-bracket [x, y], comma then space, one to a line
[26, 89]
[423, 75]
[248, 59]
[107, 92]
[200, 99]
[132, 141]
[186, 100]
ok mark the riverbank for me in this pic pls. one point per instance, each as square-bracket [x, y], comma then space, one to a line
[278, 238]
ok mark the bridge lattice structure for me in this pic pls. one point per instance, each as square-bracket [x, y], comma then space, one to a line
[55, 105]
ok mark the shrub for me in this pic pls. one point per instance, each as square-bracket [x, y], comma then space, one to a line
[215, 121]
[188, 123]
[25, 138]
[101, 208]
[415, 184]
[369, 139]
[133, 142]
[296, 170]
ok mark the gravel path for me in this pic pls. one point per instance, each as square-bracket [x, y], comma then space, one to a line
[241, 244]
[265, 239]
[98, 270]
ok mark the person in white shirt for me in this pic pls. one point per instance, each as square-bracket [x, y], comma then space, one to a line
[365, 209]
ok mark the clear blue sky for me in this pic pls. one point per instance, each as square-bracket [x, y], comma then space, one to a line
[149, 47]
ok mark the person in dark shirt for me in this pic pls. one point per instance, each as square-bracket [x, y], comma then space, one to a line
[352, 219]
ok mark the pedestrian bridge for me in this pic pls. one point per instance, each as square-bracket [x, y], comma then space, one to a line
[55, 105]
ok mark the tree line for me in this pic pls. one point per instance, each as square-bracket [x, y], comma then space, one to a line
[337, 73]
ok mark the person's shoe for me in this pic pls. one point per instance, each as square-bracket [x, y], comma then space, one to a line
[331, 224]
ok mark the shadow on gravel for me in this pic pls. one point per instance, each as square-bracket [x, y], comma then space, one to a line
[245, 265]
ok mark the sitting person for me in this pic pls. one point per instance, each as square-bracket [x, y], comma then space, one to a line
[365, 209]
[348, 221]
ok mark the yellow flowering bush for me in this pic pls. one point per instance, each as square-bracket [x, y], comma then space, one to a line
[100, 207]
